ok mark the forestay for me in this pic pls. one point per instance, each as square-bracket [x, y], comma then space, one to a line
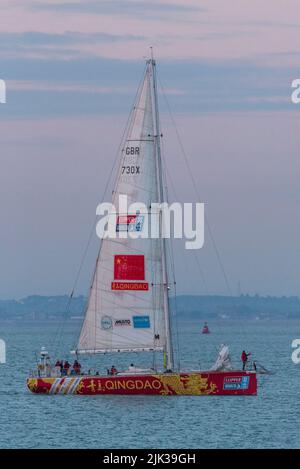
[125, 309]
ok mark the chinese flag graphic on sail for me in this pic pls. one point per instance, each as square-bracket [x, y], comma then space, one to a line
[129, 267]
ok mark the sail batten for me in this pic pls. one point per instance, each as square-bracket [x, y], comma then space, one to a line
[111, 350]
[126, 306]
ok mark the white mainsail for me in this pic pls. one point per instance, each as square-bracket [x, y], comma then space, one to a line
[128, 300]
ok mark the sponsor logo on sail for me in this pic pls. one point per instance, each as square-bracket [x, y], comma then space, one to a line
[142, 286]
[130, 223]
[122, 322]
[106, 322]
[159, 220]
[141, 322]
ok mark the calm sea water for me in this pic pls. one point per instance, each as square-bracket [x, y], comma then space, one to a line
[267, 421]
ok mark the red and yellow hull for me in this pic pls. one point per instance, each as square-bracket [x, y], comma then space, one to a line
[164, 384]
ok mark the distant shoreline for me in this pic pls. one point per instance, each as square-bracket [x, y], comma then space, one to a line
[55, 308]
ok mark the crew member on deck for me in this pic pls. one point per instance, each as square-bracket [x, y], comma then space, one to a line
[58, 367]
[244, 358]
[66, 367]
[113, 370]
[76, 367]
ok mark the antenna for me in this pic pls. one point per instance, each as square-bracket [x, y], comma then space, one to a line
[151, 52]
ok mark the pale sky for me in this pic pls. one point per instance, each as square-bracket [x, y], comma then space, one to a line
[72, 67]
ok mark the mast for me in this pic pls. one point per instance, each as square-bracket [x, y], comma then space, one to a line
[157, 136]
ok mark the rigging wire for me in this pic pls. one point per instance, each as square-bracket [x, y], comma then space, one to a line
[210, 231]
[196, 259]
[217, 252]
[171, 256]
[83, 257]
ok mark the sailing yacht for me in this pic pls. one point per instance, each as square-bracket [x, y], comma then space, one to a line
[128, 308]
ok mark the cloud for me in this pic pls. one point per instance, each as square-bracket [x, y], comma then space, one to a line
[42, 88]
[86, 87]
[133, 8]
[33, 38]
[68, 44]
